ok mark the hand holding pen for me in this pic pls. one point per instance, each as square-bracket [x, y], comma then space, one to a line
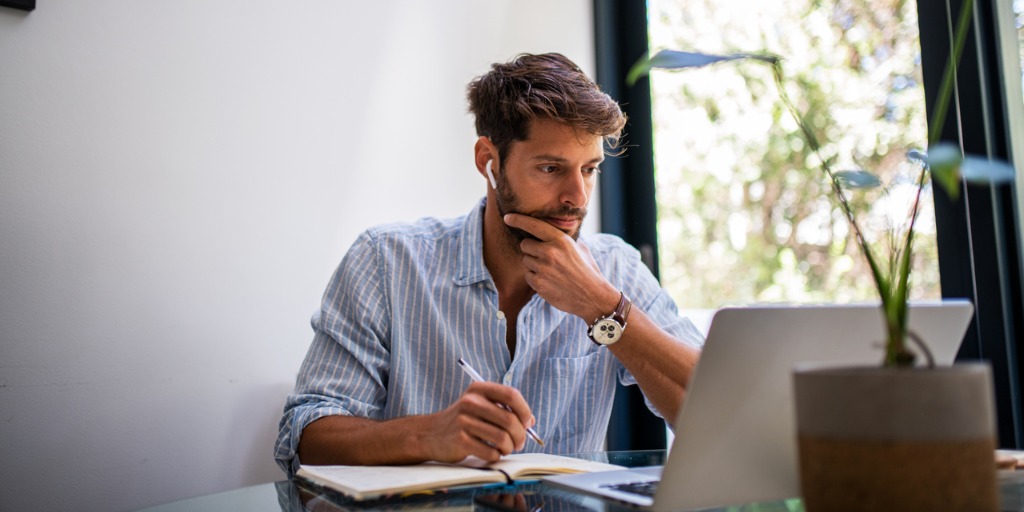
[477, 378]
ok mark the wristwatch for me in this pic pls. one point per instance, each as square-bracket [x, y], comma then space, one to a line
[607, 329]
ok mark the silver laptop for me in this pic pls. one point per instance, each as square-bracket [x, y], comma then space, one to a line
[735, 439]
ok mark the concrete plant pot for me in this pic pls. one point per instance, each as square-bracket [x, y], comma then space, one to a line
[896, 439]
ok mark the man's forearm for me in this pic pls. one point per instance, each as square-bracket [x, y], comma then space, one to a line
[359, 441]
[473, 425]
[661, 365]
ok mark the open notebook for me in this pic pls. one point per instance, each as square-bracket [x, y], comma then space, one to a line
[371, 482]
[735, 439]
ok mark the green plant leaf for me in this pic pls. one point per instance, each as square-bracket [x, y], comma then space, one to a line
[675, 59]
[983, 170]
[858, 179]
[948, 166]
[944, 161]
[640, 69]
[918, 156]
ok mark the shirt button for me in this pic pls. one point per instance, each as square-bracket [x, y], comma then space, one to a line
[500, 315]
[508, 379]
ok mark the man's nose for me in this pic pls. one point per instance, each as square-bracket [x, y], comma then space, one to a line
[575, 190]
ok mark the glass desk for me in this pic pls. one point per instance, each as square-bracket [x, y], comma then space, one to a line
[296, 496]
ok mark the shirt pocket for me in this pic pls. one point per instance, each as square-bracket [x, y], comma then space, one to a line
[578, 394]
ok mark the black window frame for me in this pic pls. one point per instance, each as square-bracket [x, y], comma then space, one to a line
[628, 208]
[978, 234]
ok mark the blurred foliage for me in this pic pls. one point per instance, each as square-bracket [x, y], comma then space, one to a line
[744, 213]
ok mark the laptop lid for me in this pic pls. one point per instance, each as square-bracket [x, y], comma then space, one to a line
[735, 438]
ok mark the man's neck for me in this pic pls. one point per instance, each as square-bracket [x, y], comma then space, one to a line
[502, 256]
[505, 263]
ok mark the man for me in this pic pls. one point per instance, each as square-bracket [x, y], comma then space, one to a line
[549, 318]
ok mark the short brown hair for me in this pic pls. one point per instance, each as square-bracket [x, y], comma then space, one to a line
[550, 86]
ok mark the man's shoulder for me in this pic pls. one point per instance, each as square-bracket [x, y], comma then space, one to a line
[428, 238]
[423, 229]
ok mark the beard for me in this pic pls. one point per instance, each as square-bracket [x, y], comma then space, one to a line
[508, 202]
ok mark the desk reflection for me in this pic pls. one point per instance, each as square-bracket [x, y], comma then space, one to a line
[296, 496]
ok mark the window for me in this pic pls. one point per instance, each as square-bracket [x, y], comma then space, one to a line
[744, 213]
[978, 237]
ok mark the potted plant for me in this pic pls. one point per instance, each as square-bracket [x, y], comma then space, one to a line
[897, 436]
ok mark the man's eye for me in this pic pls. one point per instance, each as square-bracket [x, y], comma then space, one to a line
[592, 171]
[549, 168]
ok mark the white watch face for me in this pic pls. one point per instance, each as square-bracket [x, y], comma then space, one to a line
[606, 331]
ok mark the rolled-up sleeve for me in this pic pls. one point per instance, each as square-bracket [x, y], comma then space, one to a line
[645, 291]
[346, 369]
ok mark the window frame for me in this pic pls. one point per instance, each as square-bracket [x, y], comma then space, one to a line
[979, 234]
[626, 188]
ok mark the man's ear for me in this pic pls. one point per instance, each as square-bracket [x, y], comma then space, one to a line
[490, 176]
[485, 154]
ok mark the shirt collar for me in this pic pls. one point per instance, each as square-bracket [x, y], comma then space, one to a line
[470, 267]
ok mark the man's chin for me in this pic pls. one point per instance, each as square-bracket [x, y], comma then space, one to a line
[573, 233]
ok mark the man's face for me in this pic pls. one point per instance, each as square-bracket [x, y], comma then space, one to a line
[549, 176]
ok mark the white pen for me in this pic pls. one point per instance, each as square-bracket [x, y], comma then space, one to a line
[477, 378]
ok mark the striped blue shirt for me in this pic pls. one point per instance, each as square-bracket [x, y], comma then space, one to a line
[409, 300]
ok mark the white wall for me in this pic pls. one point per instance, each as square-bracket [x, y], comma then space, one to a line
[177, 182]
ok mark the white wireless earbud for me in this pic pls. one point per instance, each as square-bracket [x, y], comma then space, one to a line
[490, 176]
